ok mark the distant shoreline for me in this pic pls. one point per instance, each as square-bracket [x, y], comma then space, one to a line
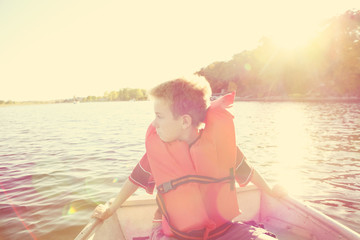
[237, 99]
[13, 103]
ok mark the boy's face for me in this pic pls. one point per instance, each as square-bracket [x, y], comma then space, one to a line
[167, 127]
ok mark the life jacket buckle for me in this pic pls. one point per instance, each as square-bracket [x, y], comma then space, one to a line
[167, 186]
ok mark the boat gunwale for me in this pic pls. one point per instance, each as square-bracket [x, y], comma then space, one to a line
[299, 207]
[320, 218]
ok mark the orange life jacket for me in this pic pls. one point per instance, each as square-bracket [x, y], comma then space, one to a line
[193, 183]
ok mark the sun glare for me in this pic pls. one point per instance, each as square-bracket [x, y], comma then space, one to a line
[292, 142]
[293, 38]
[290, 42]
[293, 30]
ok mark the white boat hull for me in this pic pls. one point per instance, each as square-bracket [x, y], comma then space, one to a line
[287, 218]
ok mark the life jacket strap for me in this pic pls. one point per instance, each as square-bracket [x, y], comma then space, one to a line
[173, 184]
[206, 233]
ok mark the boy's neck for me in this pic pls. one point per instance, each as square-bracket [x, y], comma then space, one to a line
[191, 135]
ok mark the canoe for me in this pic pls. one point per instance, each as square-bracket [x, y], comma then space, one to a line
[288, 218]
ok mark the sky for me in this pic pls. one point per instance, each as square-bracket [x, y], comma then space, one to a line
[58, 49]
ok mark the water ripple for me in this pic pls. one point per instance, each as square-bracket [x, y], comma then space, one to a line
[57, 162]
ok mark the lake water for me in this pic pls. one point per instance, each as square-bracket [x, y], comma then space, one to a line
[58, 161]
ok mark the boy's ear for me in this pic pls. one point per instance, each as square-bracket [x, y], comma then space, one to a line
[186, 121]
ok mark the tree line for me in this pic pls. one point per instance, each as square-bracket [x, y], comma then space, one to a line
[328, 66]
[124, 94]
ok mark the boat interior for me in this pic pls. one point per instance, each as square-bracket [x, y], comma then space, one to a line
[286, 218]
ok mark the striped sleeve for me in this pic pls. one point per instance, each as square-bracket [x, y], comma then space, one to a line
[244, 170]
[142, 176]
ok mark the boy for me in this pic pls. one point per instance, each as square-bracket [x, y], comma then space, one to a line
[192, 157]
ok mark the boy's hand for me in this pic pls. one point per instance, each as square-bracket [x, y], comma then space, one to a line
[101, 212]
[279, 191]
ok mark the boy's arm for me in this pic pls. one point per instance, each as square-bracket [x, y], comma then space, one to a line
[277, 191]
[260, 182]
[245, 173]
[126, 191]
[102, 212]
[141, 176]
